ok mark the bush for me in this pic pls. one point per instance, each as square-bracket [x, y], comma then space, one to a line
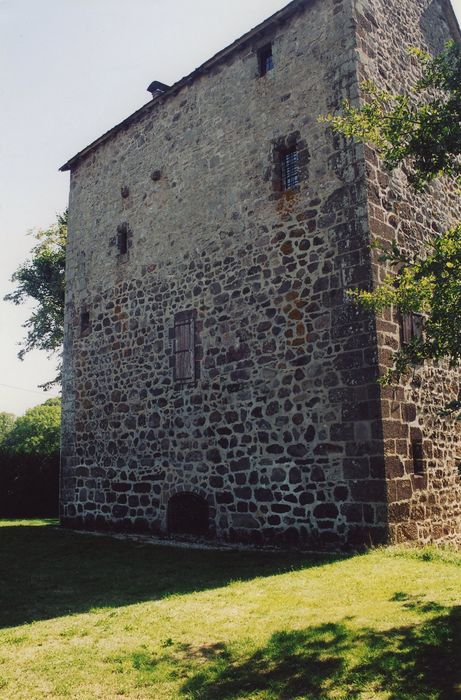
[37, 431]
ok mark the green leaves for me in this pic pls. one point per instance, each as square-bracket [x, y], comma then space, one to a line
[42, 279]
[37, 431]
[431, 286]
[7, 421]
[422, 129]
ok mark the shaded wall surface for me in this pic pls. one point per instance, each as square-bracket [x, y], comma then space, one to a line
[423, 506]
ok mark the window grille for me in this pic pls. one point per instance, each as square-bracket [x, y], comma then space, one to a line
[184, 347]
[266, 59]
[290, 169]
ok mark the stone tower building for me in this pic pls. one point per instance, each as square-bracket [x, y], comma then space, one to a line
[217, 379]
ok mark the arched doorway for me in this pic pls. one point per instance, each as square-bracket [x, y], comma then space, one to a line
[188, 514]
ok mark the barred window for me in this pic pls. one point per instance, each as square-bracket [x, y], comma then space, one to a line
[265, 59]
[184, 347]
[290, 169]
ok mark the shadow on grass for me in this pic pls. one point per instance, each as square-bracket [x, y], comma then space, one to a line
[46, 572]
[414, 662]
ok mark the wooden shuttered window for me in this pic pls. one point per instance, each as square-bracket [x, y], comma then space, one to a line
[417, 324]
[411, 326]
[184, 347]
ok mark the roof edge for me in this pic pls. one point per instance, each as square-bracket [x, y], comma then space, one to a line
[277, 17]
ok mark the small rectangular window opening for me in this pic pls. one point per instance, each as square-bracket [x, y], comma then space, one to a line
[290, 169]
[84, 321]
[418, 455]
[184, 347]
[265, 59]
[411, 327]
[123, 241]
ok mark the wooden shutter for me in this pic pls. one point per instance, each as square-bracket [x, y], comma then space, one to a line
[184, 347]
[411, 327]
[417, 326]
[406, 328]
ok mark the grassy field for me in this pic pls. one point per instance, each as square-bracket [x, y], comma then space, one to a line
[85, 617]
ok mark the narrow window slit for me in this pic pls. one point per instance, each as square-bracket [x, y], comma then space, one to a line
[84, 321]
[123, 240]
[418, 455]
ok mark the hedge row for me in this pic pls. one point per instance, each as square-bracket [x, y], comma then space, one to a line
[29, 485]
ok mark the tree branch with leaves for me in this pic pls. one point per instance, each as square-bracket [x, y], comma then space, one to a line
[41, 278]
[421, 131]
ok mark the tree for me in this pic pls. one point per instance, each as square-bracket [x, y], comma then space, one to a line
[37, 431]
[422, 129]
[422, 132]
[7, 421]
[41, 278]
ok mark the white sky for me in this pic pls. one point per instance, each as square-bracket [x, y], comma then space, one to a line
[69, 71]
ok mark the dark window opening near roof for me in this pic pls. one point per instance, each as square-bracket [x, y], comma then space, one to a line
[290, 169]
[265, 59]
[264, 29]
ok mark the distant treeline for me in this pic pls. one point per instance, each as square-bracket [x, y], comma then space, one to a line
[29, 462]
[29, 485]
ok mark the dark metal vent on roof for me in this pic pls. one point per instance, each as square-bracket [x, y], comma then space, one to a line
[156, 88]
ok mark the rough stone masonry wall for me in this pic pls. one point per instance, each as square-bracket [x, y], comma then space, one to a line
[281, 432]
[423, 507]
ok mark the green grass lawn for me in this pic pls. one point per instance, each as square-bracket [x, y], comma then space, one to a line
[86, 617]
